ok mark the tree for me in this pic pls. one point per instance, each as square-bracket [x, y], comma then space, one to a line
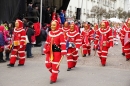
[119, 12]
[124, 15]
[99, 12]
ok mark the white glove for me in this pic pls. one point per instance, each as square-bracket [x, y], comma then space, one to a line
[21, 46]
[77, 49]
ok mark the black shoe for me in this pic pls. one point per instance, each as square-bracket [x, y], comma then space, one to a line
[51, 82]
[29, 56]
[10, 65]
[43, 54]
[127, 59]
[68, 69]
[89, 54]
[84, 55]
[123, 54]
[103, 65]
[20, 64]
[7, 59]
[2, 61]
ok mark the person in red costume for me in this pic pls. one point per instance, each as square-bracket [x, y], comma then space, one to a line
[73, 43]
[126, 36]
[55, 48]
[65, 29]
[104, 40]
[18, 44]
[95, 30]
[87, 38]
[122, 38]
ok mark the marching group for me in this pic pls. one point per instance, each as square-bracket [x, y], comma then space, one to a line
[67, 40]
[63, 40]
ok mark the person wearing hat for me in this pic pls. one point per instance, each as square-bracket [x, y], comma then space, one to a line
[104, 40]
[18, 44]
[55, 48]
[29, 33]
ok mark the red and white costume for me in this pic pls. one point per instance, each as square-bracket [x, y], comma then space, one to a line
[19, 44]
[104, 40]
[73, 44]
[53, 55]
[122, 38]
[65, 30]
[95, 30]
[116, 31]
[126, 36]
[87, 37]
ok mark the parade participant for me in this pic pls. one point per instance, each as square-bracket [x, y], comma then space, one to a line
[122, 38]
[65, 29]
[95, 30]
[104, 40]
[126, 36]
[116, 31]
[55, 48]
[87, 38]
[18, 44]
[73, 44]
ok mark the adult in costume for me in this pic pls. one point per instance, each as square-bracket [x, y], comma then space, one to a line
[73, 44]
[87, 38]
[126, 36]
[18, 44]
[104, 40]
[55, 48]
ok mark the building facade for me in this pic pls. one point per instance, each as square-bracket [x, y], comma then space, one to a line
[101, 6]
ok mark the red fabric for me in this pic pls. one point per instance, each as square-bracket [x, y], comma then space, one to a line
[52, 67]
[53, 16]
[20, 23]
[17, 51]
[37, 28]
[72, 57]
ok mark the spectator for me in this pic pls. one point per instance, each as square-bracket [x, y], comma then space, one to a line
[62, 17]
[35, 13]
[43, 38]
[43, 14]
[2, 43]
[29, 9]
[30, 33]
[48, 16]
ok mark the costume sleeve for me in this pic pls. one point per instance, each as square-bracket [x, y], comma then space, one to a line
[110, 38]
[91, 35]
[46, 48]
[63, 45]
[78, 41]
[23, 37]
[97, 38]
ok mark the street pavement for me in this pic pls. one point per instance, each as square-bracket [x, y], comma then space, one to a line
[88, 71]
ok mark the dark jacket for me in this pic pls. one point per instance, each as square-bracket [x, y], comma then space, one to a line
[43, 35]
[30, 33]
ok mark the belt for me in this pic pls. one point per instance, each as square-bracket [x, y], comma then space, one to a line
[56, 48]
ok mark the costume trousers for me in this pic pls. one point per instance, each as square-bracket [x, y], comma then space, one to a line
[17, 51]
[127, 50]
[52, 65]
[72, 57]
[103, 54]
[86, 49]
[122, 42]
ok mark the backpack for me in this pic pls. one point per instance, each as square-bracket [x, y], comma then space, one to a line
[2, 41]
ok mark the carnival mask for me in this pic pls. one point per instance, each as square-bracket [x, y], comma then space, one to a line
[53, 26]
[103, 26]
[17, 24]
[72, 27]
[66, 24]
[128, 23]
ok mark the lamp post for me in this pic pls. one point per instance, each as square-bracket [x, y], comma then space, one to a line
[41, 15]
